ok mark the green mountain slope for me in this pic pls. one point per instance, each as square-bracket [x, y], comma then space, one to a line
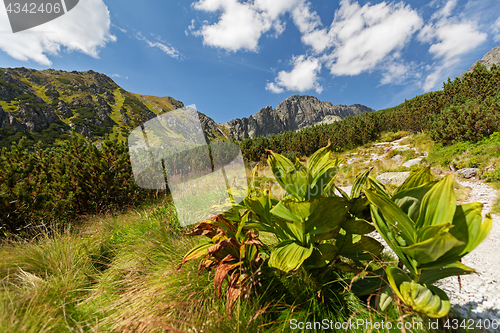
[47, 105]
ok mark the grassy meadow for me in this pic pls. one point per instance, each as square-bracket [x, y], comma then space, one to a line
[117, 272]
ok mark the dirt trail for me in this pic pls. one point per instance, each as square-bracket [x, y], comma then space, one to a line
[479, 293]
[476, 296]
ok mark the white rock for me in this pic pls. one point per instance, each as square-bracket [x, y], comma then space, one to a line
[412, 162]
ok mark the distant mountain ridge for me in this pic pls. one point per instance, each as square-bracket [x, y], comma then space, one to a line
[47, 105]
[294, 113]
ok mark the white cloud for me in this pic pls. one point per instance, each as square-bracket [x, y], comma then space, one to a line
[303, 76]
[169, 50]
[84, 29]
[119, 76]
[397, 73]
[450, 38]
[241, 24]
[496, 30]
[364, 37]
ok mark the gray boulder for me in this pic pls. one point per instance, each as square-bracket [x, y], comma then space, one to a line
[412, 162]
[393, 178]
[468, 172]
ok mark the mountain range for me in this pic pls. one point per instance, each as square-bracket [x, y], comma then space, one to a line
[47, 105]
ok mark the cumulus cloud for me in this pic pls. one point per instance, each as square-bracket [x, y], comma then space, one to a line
[364, 37]
[119, 76]
[398, 72]
[450, 38]
[84, 29]
[241, 24]
[360, 38]
[169, 50]
[303, 76]
[496, 30]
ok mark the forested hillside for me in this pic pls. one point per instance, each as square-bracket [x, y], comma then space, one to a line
[40, 185]
[466, 109]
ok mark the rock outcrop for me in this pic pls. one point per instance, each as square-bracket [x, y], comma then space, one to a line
[294, 113]
[491, 58]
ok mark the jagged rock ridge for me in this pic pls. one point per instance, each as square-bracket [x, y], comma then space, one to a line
[491, 58]
[294, 113]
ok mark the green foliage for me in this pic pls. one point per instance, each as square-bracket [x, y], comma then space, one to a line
[58, 183]
[63, 80]
[429, 233]
[469, 121]
[311, 227]
[466, 109]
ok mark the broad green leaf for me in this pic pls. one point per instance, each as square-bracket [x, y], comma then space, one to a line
[393, 215]
[430, 276]
[439, 204]
[281, 167]
[386, 231]
[416, 180]
[322, 182]
[259, 226]
[368, 282]
[358, 206]
[261, 206]
[362, 248]
[469, 228]
[432, 248]
[430, 231]
[430, 301]
[326, 214]
[396, 276]
[295, 212]
[477, 228]
[385, 299]
[293, 181]
[330, 234]
[377, 186]
[292, 210]
[321, 171]
[409, 200]
[321, 256]
[360, 183]
[357, 226]
[288, 255]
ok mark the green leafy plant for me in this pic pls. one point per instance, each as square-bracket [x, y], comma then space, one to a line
[312, 226]
[429, 233]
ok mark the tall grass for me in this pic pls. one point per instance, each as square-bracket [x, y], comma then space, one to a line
[118, 274]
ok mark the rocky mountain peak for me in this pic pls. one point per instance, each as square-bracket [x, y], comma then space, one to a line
[294, 113]
[491, 58]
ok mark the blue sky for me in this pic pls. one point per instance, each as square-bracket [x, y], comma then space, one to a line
[231, 58]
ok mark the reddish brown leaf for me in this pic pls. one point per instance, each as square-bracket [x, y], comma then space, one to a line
[203, 228]
[228, 245]
[224, 267]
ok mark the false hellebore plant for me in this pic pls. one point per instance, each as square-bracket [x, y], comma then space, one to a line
[312, 227]
[429, 233]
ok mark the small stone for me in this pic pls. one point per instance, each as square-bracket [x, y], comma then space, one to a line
[468, 172]
[398, 158]
[412, 162]
[393, 178]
